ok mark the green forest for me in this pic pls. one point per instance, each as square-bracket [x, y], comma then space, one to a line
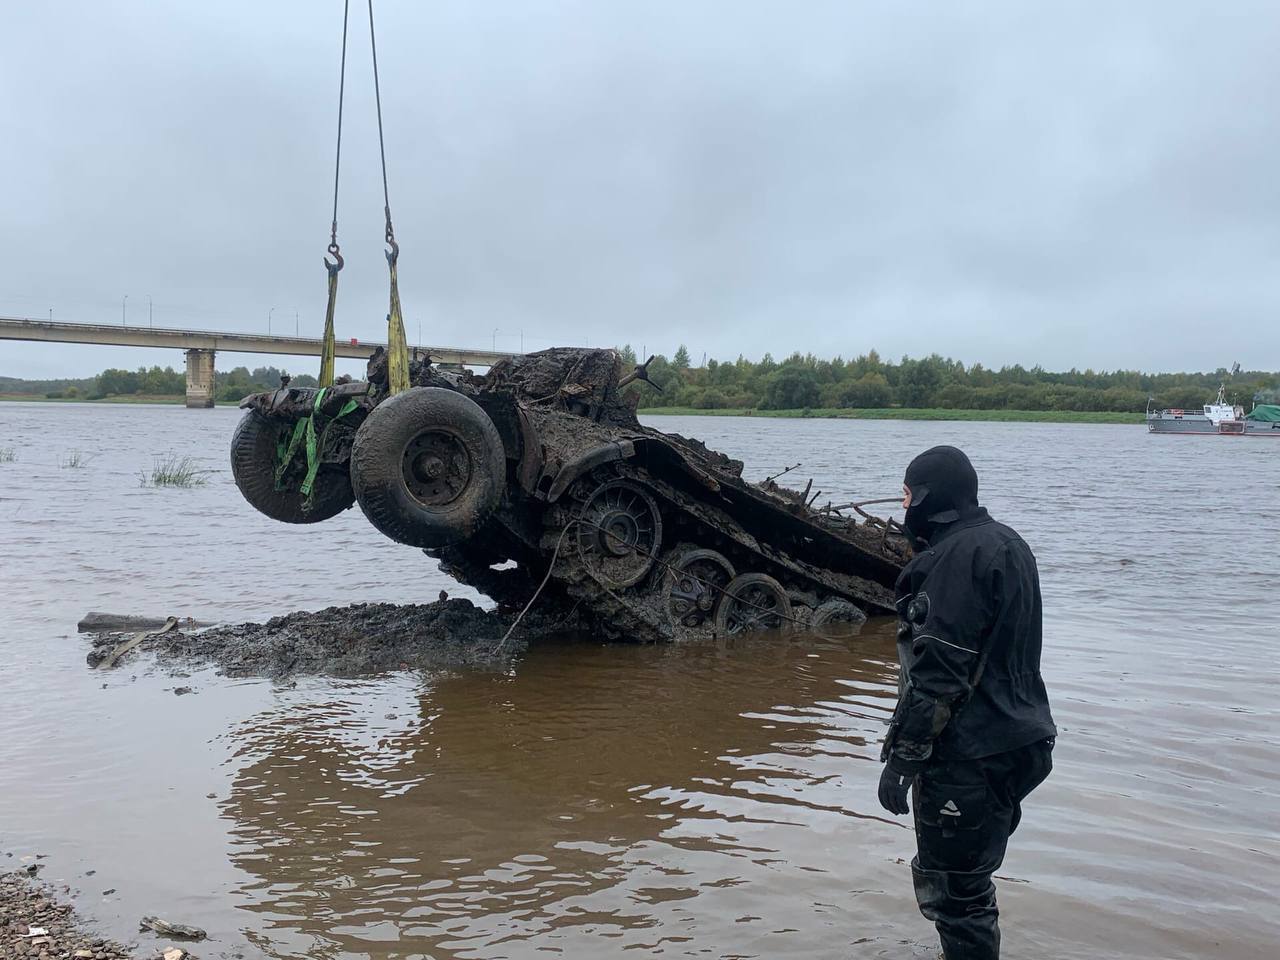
[803, 381]
[232, 385]
[800, 382]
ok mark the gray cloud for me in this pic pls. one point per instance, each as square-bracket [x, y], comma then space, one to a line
[1079, 184]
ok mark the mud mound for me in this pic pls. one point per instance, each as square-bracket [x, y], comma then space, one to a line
[350, 641]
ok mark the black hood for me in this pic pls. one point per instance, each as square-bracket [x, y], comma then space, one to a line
[944, 488]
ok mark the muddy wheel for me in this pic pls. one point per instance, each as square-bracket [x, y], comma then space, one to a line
[836, 618]
[751, 602]
[428, 467]
[693, 585]
[619, 531]
[254, 453]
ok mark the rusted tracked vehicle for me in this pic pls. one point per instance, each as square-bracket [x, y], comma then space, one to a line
[538, 475]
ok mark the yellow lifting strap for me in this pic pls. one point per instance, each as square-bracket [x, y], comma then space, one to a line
[329, 346]
[397, 345]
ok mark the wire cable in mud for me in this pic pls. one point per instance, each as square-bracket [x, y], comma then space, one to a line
[537, 593]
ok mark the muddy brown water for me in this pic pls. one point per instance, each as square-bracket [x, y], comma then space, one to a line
[712, 800]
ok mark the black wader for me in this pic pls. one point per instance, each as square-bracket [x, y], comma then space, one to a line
[972, 734]
[965, 811]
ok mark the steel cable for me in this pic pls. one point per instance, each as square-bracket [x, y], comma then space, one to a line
[382, 149]
[337, 160]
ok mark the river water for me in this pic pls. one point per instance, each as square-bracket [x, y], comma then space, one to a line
[708, 800]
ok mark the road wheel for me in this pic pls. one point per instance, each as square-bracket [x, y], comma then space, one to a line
[619, 532]
[428, 467]
[255, 451]
[752, 602]
[693, 585]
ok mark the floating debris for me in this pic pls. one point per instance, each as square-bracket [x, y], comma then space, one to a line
[179, 931]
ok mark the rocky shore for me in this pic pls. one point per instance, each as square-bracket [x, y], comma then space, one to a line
[37, 923]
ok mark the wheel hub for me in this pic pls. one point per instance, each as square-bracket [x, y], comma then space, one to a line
[437, 467]
[429, 467]
[619, 533]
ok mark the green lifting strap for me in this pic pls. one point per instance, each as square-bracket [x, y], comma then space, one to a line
[304, 431]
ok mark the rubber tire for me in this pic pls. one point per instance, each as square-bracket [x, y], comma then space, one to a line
[253, 464]
[377, 473]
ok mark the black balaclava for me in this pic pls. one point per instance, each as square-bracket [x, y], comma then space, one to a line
[944, 488]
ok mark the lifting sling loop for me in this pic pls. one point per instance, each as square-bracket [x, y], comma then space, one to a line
[305, 434]
[397, 343]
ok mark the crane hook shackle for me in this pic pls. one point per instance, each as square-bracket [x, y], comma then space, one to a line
[332, 251]
[390, 235]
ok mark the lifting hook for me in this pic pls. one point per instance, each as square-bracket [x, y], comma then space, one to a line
[332, 251]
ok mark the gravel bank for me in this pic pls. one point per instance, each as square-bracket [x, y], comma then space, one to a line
[27, 905]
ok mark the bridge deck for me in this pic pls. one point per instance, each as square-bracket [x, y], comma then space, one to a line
[12, 328]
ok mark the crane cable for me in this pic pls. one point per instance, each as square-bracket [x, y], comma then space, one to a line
[329, 347]
[397, 344]
[305, 434]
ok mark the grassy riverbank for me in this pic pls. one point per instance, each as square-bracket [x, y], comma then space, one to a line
[878, 413]
[31, 398]
[911, 413]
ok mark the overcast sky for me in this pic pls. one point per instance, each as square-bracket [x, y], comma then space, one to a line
[1069, 184]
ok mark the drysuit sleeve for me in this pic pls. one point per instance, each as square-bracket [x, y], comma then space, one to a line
[954, 611]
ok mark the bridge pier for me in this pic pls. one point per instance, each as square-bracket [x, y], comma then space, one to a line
[200, 380]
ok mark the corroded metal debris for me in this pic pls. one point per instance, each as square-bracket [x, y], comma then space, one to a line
[537, 479]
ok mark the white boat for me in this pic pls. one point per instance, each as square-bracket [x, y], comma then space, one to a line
[1219, 417]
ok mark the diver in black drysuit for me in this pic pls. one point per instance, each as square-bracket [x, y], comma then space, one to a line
[972, 734]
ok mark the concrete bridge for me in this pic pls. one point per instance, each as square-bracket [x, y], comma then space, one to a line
[201, 347]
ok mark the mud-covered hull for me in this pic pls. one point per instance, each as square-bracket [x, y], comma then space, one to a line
[632, 532]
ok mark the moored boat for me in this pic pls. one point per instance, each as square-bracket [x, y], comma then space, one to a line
[1219, 417]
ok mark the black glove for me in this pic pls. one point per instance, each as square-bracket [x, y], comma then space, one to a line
[895, 784]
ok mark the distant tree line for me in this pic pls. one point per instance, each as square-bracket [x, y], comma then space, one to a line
[800, 381]
[231, 385]
[238, 382]
[868, 381]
